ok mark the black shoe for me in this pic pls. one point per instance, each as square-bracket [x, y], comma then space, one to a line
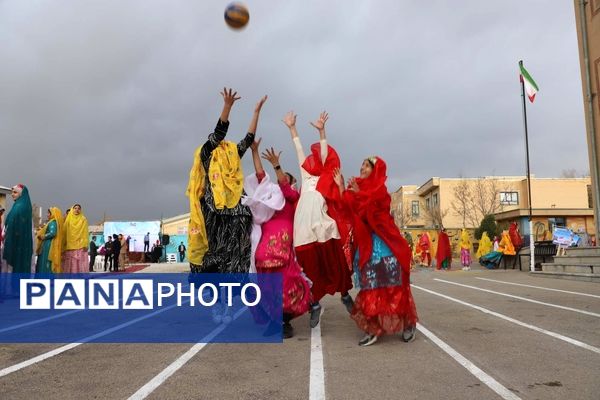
[348, 302]
[315, 315]
[288, 330]
[409, 334]
[367, 340]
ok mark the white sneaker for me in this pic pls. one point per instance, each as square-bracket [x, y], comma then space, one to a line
[367, 340]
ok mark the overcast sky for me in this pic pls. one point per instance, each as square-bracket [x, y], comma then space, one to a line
[103, 102]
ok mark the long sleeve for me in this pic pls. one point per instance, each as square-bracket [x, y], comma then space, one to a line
[245, 143]
[323, 150]
[51, 231]
[290, 194]
[301, 157]
[213, 140]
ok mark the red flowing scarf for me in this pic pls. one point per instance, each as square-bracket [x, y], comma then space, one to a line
[515, 237]
[327, 187]
[371, 214]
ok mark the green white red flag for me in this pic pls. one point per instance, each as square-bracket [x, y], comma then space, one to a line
[530, 86]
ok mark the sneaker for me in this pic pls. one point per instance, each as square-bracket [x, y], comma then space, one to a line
[288, 330]
[348, 302]
[367, 340]
[315, 315]
[409, 334]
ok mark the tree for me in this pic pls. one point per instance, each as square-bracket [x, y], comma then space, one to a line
[435, 216]
[569, 173]
[476, 198]
[462, 206]
[402, 215]
[488, 224]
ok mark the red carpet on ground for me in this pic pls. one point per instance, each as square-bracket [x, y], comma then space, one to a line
[132, 268]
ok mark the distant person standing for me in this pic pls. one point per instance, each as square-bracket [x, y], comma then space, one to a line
[182, 250]
[116, 250]
[93, 253]
[147, 242]
[76, 241]
[108, 253]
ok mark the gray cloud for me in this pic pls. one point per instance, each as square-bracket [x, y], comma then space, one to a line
[103, 103]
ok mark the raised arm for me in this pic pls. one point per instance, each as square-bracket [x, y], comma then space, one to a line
[249, 139]
[319, 124]
[258, 168]
[282, 178]
[229, 97]
[290, 121]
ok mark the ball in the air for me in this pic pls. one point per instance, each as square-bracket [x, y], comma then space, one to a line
[236, 15]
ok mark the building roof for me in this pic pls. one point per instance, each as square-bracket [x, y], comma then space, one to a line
[544, 212]
[176, 218]
[5, 190]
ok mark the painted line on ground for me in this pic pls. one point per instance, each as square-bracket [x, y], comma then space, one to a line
[469, 366]
[165, 374]
[52, 353]
[540, 287]
[38, 321]
[317, 371]
[521, 298]
[515, 321]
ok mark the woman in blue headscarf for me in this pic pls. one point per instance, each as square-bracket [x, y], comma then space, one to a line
[18, 242]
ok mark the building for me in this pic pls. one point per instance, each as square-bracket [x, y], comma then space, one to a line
[4, 192]
[176, 226]
[587, 18]
[455, 203]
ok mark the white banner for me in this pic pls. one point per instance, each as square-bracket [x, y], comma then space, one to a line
[136, 230]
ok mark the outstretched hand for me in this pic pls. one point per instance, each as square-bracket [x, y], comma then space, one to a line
[260, 103]
[320, 123]
[254, 146]
[271, 156]
[338, 177]
[352, 185]
[229, 97]
[289, 119]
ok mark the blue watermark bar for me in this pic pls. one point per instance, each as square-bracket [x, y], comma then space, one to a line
[140, 308]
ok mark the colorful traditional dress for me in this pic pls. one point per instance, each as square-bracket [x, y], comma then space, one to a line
[443, 256]
[493, 259]
[316, 236]
[75, 244]
[384, 304]
[18, 240]
[272, 209]
[424, 246]
[515, 236]
[50, 254]
[465, 248]
[485, 245]
[220, 225]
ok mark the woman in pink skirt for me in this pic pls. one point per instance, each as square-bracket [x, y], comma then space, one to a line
[75, 242]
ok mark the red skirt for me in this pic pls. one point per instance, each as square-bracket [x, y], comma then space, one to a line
[296, 292]
[325, 265]
[385, 310]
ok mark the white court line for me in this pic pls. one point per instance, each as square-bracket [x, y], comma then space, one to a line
[38, 321]
[317, 372]
[515, 321]
[159, 379]
[52, 353]
[522, 298]
[540, 287]
[469, 366]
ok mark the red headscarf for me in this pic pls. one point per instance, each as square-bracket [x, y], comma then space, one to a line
[326, 185]
[444, 251]
[371, 213]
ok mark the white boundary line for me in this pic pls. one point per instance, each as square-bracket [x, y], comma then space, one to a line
[515, 321]
[37, 321]
[539, 287]
[52, 353]
[317, 372]
[159, 379]
[469, 366]
[521, 298]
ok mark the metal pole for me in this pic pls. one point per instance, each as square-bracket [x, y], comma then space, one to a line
[531, 238]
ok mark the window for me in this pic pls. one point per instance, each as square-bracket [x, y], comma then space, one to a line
[415, 208]
[427, 203]
[509, 198]
[435, 200]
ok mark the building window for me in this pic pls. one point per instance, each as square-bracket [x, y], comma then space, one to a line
[509, 198]
[427, 203]
[435, 199]
[415, 208]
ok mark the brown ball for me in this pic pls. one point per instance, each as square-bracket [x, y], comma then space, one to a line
[236, 15]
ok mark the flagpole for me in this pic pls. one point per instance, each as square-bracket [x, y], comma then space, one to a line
[531, 238]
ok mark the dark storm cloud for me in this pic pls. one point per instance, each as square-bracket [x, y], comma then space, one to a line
[103, 103]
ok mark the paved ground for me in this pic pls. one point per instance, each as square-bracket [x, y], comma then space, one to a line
[472, 344]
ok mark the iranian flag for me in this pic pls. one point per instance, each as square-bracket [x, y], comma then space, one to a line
[530, 87]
